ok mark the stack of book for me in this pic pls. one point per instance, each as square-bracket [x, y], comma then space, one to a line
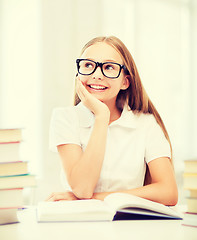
[190, 184]
[14, 175]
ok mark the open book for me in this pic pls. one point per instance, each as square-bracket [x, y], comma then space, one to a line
[115, 206]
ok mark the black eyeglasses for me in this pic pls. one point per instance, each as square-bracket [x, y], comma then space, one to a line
[108, 69]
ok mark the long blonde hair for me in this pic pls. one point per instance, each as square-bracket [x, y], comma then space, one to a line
[135, 95]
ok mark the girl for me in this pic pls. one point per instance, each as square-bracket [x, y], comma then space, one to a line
[113, 139]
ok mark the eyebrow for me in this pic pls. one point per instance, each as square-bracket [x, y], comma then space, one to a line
[106, 60]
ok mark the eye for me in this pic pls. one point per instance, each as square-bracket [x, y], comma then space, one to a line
[109, 67]
[89, 65]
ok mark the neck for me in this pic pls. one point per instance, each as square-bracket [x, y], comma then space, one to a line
[114, 112]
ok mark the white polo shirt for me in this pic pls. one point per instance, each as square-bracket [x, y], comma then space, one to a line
[132, 141]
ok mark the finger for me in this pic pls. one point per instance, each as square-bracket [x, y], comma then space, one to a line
[52, 195]
[55, 198]
[49, 197]
[78, 91]
[81, 85]
[81, 89]
[49, 200]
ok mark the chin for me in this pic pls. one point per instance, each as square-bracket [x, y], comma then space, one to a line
[97, 96]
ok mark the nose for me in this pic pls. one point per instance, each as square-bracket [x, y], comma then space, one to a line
[98, 74]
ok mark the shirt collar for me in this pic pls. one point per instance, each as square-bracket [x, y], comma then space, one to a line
[127, 119]
[86, 117]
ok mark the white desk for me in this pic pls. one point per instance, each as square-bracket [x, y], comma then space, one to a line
[29, 229]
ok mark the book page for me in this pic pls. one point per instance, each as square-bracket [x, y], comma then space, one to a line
[77, 210]
[78, 206]
[120, 201]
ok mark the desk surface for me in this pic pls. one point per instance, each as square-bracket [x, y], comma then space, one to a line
[29, 229]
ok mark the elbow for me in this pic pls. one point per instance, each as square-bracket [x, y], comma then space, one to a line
[172, 201]
[83, 193]
[171, 197]
[81, 189]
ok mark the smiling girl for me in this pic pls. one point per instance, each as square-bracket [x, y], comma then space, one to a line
[113, 139]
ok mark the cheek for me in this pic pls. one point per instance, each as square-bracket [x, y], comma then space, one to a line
[116, 86]
[83, 78]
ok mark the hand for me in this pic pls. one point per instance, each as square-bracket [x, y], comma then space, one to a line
[100, 195]
[57, 196]
[91, 102]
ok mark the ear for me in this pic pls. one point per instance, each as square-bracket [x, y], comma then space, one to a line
[125, 82]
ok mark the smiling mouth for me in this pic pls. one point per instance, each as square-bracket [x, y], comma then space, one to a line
[97, 87]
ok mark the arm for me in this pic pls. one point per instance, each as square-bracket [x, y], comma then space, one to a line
[83, 168]
[163, 188]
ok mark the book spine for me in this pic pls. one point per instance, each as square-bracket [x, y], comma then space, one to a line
[10, 142]
[19, 175]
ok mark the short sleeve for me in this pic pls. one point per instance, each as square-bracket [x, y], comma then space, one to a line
[156, 143]
[63, 128]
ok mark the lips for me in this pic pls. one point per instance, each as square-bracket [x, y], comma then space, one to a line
[97, 87]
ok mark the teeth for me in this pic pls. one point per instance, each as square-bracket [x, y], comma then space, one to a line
[97, 87]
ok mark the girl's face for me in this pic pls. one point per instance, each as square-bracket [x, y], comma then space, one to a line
[103, 88]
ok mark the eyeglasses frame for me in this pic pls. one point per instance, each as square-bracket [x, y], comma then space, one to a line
[99, 64]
